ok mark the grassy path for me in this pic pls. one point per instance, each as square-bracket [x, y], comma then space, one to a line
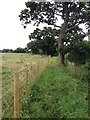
[56, 94]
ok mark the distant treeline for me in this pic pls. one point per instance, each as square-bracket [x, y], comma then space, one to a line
[18, 50]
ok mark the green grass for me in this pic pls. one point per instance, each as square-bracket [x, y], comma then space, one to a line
[15, 61]
[56, 95]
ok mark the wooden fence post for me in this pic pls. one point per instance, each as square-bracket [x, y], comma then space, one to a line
[16, 96]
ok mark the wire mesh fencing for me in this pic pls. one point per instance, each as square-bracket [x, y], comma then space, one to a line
[0, 85]
[7, 94]
[16, 86]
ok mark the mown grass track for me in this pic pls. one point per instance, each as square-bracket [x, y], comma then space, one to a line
[56, 94]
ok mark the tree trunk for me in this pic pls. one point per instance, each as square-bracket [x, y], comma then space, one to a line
[61, 41]
[62, 31]
[61, 59]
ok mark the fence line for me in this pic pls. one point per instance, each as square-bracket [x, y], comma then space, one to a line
[22, 81]
[7, 96]
[0, 85]
[16, 95]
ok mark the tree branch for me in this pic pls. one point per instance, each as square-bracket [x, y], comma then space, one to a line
[88, 33]
[71, 28]
[58, 14]
[57, 26]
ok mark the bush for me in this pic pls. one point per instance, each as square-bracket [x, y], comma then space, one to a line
[82, 72]
[20, 50]
[79, 52]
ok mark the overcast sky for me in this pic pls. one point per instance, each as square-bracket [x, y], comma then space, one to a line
[12, 33]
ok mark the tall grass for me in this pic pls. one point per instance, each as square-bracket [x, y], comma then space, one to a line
[56, 95]
[81, 72]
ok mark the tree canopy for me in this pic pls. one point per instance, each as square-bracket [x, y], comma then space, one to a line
[20, 50]
[44, 41]
[72, 13]
[47, 12]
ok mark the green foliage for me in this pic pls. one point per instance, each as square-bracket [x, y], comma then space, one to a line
[72, 13]
[79, 52]
[20, 50]
[48, 12]
[44, 41]
[74, 35]
[7, 51]
[81, 72]
[33, 47]
[56, 95]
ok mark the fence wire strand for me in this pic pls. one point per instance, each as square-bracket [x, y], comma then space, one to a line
[25, 79]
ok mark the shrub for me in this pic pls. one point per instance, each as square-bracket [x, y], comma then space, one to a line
[82, 72]
[79, 52]
[20, 50]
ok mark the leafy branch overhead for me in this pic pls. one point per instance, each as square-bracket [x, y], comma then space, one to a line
[46, 12]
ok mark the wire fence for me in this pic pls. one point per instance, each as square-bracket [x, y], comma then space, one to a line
[17, 84]
[0, 85]
[7, 94]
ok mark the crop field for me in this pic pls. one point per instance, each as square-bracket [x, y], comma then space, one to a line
[17, 63]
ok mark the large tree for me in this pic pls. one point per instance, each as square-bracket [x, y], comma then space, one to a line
[72, 14]
[43, 41]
